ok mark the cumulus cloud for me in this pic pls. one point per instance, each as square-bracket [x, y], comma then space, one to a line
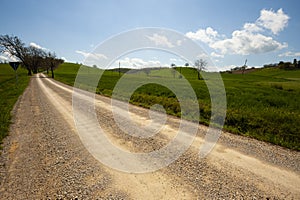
[208, 35]
[203, 56]
[214, 54]
[137, 63]
[94, 56]
[160, 40]
[252, 27]
[66, 60]
[290, 54]
[274, 21]
[32, 44]
[244, 43]
[251, 39]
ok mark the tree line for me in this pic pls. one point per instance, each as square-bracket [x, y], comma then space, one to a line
[285, 65]
[31, 58]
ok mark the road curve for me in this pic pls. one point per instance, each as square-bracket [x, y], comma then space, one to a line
[44, 158]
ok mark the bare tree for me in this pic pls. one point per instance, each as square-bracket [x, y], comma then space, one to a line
[32, 58]
[35, 58]
[200, 66]
[15, 48]
[52, 62]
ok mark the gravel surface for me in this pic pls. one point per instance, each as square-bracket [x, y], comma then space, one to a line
[43, 158]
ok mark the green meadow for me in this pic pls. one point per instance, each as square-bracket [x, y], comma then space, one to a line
[9, 93]
[263, 104]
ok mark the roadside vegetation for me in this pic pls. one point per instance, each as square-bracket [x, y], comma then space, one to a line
[32, 59]
[263, 104]
[9, 93]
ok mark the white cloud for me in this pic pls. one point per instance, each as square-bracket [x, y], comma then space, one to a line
[214, 54]
[274, 21]
[94, 56]
[251, 27]
[207, 35]
[177, 61]
[244, 43]
[251, 39]
[203, 56]
[7, 57]
[3, 58]
[160, 40]
[66, 60]
[179, 42]
[137, 63]
[290, 54]
[32, 44]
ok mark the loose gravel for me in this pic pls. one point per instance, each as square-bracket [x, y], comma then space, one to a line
[43, 158]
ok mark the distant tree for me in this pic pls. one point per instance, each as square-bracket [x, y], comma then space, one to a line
[200, 66]
[34, 58]
[280, 63]
[173, 66]
[94, 66]
[147, 71]
[295, 63]
[285, 65]
[270, 65]
[186, 64]
[52, 62]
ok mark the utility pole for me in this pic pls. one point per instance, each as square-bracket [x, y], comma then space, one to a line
[244, 66]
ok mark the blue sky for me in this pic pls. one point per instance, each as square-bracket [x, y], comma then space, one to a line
[229, 31]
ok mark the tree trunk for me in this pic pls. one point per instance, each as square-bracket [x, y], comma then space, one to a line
[29, 72]
[199, 75]
[52, 72]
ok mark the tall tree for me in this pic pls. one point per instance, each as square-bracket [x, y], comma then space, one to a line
[200, 66]
[32, 58]
[15, 48]
[35, 58]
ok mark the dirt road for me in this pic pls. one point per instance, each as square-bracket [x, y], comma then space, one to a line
[44, 158]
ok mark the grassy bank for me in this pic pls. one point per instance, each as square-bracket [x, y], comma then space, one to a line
[9, 93]
[263, 104]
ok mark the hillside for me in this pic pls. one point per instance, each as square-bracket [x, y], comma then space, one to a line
[262, 104]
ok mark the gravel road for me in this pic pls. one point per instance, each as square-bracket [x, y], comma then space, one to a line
[44, 158]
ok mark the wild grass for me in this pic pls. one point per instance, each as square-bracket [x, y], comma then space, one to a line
[9, 93]
[263, 104]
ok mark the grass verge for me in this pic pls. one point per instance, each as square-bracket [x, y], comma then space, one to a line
[9, 93]
[263, 104]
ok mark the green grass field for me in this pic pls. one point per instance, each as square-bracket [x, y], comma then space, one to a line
[263, 104]
[9, 93]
